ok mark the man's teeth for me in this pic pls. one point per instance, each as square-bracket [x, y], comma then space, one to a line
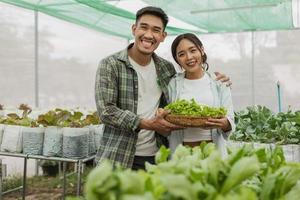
[147, 43]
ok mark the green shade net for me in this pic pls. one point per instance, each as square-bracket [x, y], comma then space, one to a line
[94, 14]
[230, 15]
[207, 15]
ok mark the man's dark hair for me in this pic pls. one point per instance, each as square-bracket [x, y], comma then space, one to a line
[151, 10]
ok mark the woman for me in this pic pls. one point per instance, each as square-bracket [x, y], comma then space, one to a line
[195, 82]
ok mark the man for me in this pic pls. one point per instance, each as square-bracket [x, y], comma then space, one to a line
[130, 87]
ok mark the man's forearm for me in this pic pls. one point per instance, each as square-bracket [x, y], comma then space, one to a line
[146, 124]
[118, 118]
[158, 125]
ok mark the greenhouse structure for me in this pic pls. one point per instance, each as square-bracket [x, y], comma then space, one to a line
[50, 51]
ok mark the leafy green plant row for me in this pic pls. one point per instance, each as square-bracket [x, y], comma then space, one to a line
[192, 108]
[57, 117]
[260, 124]
[200, 173]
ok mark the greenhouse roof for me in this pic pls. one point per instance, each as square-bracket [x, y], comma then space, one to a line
[208, 16]
[231, 15]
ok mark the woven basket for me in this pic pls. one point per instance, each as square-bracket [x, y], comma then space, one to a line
[188, 121]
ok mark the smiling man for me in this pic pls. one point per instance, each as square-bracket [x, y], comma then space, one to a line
[130, 87]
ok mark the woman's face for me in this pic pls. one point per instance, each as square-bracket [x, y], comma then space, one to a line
[189, 56]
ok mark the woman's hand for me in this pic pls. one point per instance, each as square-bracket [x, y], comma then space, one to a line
[223, 78]
[221, 123]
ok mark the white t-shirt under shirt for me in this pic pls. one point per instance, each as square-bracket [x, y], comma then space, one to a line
[200, 90]
[149, 94]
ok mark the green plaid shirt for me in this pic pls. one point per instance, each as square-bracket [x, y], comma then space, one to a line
[116, 93]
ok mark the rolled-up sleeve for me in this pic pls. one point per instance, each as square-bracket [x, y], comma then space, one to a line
[106, 96]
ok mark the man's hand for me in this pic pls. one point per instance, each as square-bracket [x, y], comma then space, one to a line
[159, 124]
[221, 123]
[223, 78]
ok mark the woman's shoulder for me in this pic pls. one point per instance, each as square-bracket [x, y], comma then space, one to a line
[176, 80]
[212, 77]
[178, 76]
[213, 80]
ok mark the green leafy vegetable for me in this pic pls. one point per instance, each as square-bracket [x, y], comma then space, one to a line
[201, 173]
[259, 124]
[191, 108]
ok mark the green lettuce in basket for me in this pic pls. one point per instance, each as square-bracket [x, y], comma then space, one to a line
[192, 108]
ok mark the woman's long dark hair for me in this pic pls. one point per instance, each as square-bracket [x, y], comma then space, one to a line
[194, 39]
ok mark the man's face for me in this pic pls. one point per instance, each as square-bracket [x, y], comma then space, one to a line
[148, 33]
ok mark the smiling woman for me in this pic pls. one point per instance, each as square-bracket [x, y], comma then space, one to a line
[199, 85]
[189, 56]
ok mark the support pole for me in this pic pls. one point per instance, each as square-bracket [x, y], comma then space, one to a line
[64, 179]
[1, 179]
[279, 96]
[36, 58]
[24, 178]
[252, 69]
[36, 71]
[79, 178]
